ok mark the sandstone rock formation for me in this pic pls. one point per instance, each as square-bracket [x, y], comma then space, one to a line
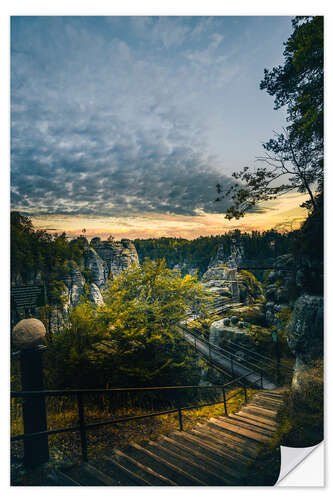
[305, 328]
[94, 295]
[100, 262]
[118, 256]
[98, 267]
[75, 284]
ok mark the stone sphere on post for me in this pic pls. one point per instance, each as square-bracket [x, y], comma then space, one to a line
[28, 333]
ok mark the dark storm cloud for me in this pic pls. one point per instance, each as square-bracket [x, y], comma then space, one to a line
[110, 116]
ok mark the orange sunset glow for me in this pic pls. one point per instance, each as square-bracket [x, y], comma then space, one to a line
[282, 214]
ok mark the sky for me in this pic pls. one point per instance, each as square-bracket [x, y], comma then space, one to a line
[124, 125]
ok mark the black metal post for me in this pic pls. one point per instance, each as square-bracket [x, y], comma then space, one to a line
[83, 433]
[180, 417]
[278, 359]
[36, 449]
[245, 392]
[261, 380]
[225, 403]
[232, 366]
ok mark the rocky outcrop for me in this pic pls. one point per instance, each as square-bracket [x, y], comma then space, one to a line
[231, 258]
[97, 266]
[305, 329]
[222, 281]
[94, 295]
[101, 261]
[118, 256]
[184, 269]
[281, 287]
[221, 331]
[75, 284]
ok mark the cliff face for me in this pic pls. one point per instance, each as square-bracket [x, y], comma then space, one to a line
[97, 266]
[101, 261]
[306, 327]
[231, 259]
[118, 256]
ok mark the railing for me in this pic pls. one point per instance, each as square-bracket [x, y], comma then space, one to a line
[83, 427]
[223, 353]
[254, 363]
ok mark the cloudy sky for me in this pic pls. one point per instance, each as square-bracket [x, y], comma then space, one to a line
[125, 125]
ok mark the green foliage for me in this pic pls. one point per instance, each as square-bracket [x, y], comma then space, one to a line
[195, 254]
[283, 317]
[56, 291]
[251, 289]
[298, 84]
[88, 275]
[67, 357]
[33, 250]
[199, 252]
[133, 338]
[303, 416]
[310, 238]
[253, 314]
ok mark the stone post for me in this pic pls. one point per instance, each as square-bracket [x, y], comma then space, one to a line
[28, 337]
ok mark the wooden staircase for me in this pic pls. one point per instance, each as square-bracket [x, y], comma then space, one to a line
[217, 453]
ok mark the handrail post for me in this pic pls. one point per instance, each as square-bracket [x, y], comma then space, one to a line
[180, 417]
[225, 403]
[83, 433]
[245, 392]
[28, 336]
[261, 380]
[232, 366]
[36, 449]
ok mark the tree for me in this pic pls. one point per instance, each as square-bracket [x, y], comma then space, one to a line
[294, 158]
[133, 338]
[298, 84]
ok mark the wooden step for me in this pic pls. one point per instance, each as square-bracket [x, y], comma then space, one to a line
[256, 407]
[257, 418]
[236, 429]
[188, 451]
[192, 466]
[61, 479]
[246, 424]
[177, 474]
[240, 443]
[87, 475]
[229, 448]
[257, 410]
[256, 423]
[218, 452]
[236, 447]
[265, 403]
[208, 446]
[269, 399]
[274, 395]
[125, 476]
[143, 471]
[206, 452]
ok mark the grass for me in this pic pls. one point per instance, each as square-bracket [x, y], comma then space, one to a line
[63, 412]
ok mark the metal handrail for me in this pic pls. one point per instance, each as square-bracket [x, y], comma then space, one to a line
[272, 364]
[240, 347]
[83, 427]
[218, 349]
